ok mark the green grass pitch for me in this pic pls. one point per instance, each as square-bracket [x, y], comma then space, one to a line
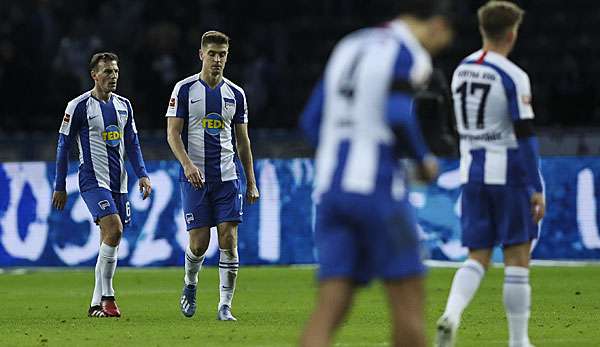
[42, 308]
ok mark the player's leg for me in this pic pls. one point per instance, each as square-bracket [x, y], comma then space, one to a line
[517, 229]
[333, 300]
[407, 303]
[229, 264]
[105, 211]
[517, 293]
[479, 235]
[340, 254]
[194, 258]
[95, 309]
[111, 230]
[394, 247]
[197, 214]
[226, 200]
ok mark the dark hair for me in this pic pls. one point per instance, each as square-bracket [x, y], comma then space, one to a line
[102, 56]
[216, 37]
[496, 17]
[424, 9]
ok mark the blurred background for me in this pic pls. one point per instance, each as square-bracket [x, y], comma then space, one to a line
[277, 52]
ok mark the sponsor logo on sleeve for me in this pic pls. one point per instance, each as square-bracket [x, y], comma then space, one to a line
[67, 118]
[172, 103]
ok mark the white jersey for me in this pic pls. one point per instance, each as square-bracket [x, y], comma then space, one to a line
[355, 152]
[105, 132]
[490, 93]
[210, 115]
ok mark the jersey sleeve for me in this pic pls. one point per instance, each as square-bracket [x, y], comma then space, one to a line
[68, 130]
[241, 108]
[520, 100]
[132, 145]
[411, 73]
[178, 103]
[67, 121]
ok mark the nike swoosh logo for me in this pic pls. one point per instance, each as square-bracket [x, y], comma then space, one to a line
[195, 101]
[226, 287]
[92, 117]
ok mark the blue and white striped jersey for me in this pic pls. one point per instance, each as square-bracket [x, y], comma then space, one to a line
[490, 93]
[208, 132]
[351, 116]
[104, 132]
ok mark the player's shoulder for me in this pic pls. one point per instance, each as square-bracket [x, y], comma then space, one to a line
[187, 81]
[234, 86]
[83, 97]
[508, 66]
[122, 99]
[73, 103]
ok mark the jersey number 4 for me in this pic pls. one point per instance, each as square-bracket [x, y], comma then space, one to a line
[463, 89]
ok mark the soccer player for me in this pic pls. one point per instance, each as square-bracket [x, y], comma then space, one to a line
[207, 128]
[361, 118]
[101, 122]
[502, 199]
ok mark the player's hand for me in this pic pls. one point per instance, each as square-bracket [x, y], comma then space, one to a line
[252, 193]
[59, 200]
[538, 207]
[145, 187]
[427, 170]
[192, 173]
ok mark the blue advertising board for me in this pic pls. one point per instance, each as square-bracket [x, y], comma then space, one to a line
[276, 230]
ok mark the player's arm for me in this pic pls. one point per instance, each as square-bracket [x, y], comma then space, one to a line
[529, 152]
[134, 153]
[245, 152]
[240, 119]
[522, 116]
[66, 135]
[310, 120]
[408, 136]
[192, 173]
[176, 113]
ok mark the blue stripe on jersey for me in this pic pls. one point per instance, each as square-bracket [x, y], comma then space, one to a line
[385, 168]
[212, 143]
[477, 169]
[109, 115]
[343, 149]
[87, 176]
[404, 63]
[183, 112]
[509, 88]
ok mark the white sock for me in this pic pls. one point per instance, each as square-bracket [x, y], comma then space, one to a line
[465, 284]
[97, 296]
[108, 263]
[228, 270]
[517, 302]
[193, 264]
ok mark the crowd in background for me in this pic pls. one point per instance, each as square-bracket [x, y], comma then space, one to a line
[277, 53]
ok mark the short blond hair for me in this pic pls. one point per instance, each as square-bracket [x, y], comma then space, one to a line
[497, 17]
[214, 36]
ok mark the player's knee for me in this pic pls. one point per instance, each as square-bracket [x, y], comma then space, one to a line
[112, 229]
[198, 248]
